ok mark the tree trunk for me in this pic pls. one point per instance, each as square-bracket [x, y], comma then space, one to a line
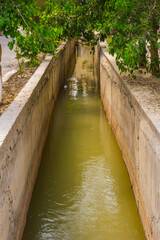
[0, 76]
[154, 55]
[142, 62]
[0, 86]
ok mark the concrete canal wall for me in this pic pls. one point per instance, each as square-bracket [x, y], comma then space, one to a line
[133, 110]
[23, 130]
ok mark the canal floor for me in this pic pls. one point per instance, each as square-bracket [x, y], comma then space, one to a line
[82, 191]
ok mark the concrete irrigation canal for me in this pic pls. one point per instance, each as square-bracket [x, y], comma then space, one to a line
[83, 189]
[68, 173]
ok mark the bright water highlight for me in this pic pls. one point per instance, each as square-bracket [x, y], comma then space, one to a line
[82, 191]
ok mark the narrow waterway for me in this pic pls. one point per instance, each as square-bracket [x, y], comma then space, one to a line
[82, 191]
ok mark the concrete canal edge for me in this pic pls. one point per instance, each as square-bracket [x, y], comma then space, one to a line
[24, 127]
[23, 130]
[134, 114]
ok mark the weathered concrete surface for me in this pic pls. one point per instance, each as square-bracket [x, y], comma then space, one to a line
[133, 109]
[23, 129]
[97, 63]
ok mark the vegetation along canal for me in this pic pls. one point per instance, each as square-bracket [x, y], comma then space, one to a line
[82, 191]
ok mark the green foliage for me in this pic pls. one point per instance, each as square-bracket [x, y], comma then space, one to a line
[39, 26]
[135, 23]
[35, 31]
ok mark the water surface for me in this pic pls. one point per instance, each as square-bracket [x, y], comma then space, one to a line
[83, 191]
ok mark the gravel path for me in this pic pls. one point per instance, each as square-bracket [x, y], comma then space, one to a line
[8, 61]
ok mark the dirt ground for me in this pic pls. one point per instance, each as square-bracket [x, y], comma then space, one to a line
[147, 90]
[12, 87]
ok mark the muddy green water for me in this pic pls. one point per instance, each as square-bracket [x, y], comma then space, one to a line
[82, 191]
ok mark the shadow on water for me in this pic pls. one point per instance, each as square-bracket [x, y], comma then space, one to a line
[82, 191]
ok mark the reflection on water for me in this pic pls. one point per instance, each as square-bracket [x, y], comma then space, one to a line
[83, 190]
